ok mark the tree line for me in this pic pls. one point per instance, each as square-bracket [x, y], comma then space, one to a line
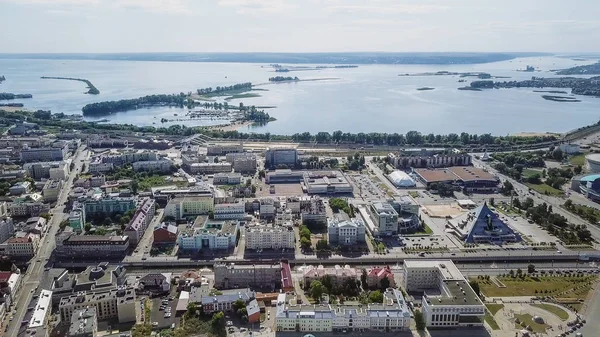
[283, 78]
[92, 90]
[221, 89]
[107, 107]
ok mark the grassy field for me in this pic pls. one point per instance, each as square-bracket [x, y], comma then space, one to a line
[530, 172]
[528, 320]
[545, 189]
[492, 309]
[425, 230]
[148, 182]
[578, 160]
[556, 286]
[563, 315]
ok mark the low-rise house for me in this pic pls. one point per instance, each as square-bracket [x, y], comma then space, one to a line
[155, 283]
[345, 232]
[376, 274]
[338, 274]
[19, 188]
[23, 247]
[165, 234]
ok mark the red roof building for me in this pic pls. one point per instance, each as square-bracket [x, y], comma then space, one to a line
[287, 284]
[376, 274]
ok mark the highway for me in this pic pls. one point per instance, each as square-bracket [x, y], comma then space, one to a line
[34, 273]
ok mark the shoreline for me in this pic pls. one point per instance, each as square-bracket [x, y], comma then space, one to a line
[234, 126]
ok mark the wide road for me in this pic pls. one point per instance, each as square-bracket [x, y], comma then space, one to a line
[35, 271]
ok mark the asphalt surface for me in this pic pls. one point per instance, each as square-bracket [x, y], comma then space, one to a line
[34, 273]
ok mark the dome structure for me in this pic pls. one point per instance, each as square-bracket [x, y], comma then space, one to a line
[401, 179]
[593, 162]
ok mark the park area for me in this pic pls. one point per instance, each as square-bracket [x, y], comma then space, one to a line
[575, 286]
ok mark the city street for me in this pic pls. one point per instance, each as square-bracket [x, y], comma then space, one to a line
[33, 275]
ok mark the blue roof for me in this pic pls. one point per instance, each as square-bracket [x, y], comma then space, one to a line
[591, 177]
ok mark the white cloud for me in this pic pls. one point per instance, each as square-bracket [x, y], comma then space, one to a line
[159, 6]
[257, 6]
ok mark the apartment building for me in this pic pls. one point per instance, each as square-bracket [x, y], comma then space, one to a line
[84, 323]
[313, 211]
[22, 208]
[267, 208]
[130, 157]
[227, 178]
[207, 168]
[229, 276]
[57, 170]
[41, 313]
[386, 219]
[106, 204]
[163, 165]
[393, 315]
[7, 229]
[207, 234]
[109, 304]
[223, 301]
[431, 161]
[140, 221]
[242, 162]
[23, 247]
[165, 234]
[51, 190]
[222, 149]
[44, 153]
[338, 274]
[189, 207]
[229, 211]
[345, 232]
[281, 156]
[77, 220]
[98, 166]
[90, 246]
[269, 237]
[453, 304]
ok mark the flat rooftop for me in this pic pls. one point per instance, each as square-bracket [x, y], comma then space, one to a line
[470, 173]
[438, 175]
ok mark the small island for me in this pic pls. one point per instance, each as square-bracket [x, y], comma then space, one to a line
[425, 88]
[552, 91]
[109, 107]
[528, 69]
[560, 98]
[283, 79]
[337, 67]
[92, 90]
[282, 70]
[578, 86]
[2, 78]
[9, 96]
[469, 89]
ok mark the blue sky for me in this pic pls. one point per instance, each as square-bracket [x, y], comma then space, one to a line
[96, 26]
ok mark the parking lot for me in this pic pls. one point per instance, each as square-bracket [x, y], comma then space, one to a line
[365, 187]
[160, 318]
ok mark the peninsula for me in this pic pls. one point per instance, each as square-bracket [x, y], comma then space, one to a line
[92, 90]
[578, 86]
[588, 69]
[283, 79]
[9, 96]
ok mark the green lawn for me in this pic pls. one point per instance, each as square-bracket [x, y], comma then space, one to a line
[494, 308]
[556, 286]
[152, 181]
[578, 160]
[530, 172]
[528, 320]
[426, 230]
[545, 189]
[491, 321]
[563, 315]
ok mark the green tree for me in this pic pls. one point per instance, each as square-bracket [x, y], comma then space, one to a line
[239, 304]
[216, 160]
[322, 244]
[475, 286]
[316, 290]
[363, 279]
[211, 215]
[305, 243]
[376, 296]
[135, 185]
[385, 283]
[530, 269]
[419, 320]
[218, 320]
[577, 169]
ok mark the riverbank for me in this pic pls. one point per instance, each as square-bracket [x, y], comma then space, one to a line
[92, 90]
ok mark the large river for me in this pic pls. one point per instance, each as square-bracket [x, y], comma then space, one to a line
[371, 98]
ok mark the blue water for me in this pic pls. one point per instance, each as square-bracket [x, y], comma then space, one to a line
[370, 98]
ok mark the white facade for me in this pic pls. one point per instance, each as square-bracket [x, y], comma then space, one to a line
[24, 246]
[61, 172]
[98, 166]
[456, 305]
[229, 211]
[227, 178]
[210, 237]
[269, 237]
[348, 232]
[180, 208]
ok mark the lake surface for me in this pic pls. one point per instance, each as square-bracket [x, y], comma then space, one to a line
[370, 98]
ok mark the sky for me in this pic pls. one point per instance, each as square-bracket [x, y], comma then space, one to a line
[112, 26]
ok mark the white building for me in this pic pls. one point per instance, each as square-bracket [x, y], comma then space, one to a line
[23, 247]
[209, 235]
[204, 168]
[401, 179]
[162, 165]
[227, 178]
[109, 304]
[41, 313]
[51, 190]
[61, 172]
[189, 207]
[269, 237]
[568, 148]
[97, 166]
[326, 182]
[347, 232]
[229, 211]
[24, 208]
[392, 315]
[454, 304]
[84, 323]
